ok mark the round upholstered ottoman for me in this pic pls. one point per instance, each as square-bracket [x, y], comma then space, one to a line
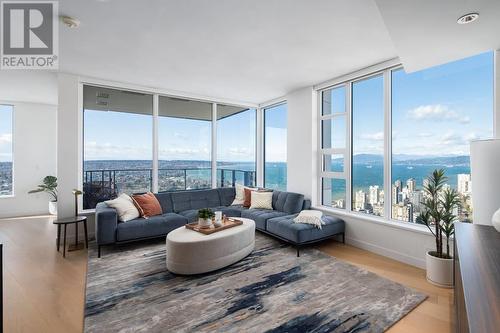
[191, 252]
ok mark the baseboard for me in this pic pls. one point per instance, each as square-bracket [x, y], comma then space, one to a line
[410, 260]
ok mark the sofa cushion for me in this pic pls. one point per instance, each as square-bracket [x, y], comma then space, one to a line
[190, 214]
[306, 205]
[154, 226]
[187, 200]
[165, 200]
[302, 233]
[260, 216]
[226, 195]
[233, 211]
[288, 202]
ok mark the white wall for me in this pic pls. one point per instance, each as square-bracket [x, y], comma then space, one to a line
[69, 143]
[302, 142]
[34, 138]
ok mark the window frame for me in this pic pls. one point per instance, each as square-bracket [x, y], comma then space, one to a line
[264, 110]
[385, 69]
[12, 124]
[156, 94]
[346, 173]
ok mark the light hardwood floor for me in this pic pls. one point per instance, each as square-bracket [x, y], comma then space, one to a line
[45, 293]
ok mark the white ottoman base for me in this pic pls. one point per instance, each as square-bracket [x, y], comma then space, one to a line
[209, 265]
[190, 252]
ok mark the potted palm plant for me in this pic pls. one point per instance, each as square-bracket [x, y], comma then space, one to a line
[438, 215]
[49, 185]
[205, 217]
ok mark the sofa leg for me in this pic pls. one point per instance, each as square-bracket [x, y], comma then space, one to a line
[298, 252]
[343, 238]
[98, 251]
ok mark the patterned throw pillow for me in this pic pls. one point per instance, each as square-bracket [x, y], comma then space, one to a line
[147, 204]
[262, 200]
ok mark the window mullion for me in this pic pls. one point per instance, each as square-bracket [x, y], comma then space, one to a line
[348, 156]
[213, 161]
[154, 175]
[388, 144]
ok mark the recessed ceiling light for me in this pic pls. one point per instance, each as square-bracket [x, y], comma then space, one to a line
[70, 22]
[468, 18]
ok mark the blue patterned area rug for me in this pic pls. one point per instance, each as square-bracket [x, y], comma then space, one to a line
[130, 290]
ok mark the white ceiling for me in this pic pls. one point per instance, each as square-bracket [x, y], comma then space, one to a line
[246, 50]
[256, 50]
[425, 33]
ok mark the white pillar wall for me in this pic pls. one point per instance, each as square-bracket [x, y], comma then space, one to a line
[69, 143]
[302, 148]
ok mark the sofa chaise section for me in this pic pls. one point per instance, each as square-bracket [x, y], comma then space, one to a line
[300, 234]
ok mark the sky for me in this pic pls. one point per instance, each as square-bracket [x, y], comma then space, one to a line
[6, 114]
[130, 137]
[436, 111]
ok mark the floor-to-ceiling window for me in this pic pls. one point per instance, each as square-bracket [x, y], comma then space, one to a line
[6, 160]
[333, 146]
[236, 145]
[426, 119]
[184, 144]
[435, 114]
[275, 133]
[117, 143]
[368, 146]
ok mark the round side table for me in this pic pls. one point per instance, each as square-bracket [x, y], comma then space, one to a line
[71, 220]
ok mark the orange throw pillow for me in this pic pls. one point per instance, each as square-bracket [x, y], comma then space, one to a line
[147, 204]
[248, 197]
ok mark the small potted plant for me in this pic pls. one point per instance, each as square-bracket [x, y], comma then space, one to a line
[439, 205]
[49, 186]
[205, 216]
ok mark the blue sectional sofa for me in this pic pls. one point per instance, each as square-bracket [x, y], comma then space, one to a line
[182, 207]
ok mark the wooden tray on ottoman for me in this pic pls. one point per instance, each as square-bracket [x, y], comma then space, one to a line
[228, 223]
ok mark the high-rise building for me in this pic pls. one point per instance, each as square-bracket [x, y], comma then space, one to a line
[411, 185]
[464, 184]
[374, 195]
[409, 208]
[416, 199]
[360, 200]
[396, 188]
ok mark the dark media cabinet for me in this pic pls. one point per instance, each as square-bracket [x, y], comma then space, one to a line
[477, 278]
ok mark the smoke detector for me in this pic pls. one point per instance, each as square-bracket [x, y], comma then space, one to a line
[70, 22]
[468, 18]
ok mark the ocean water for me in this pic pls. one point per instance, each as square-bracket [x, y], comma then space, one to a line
[364, 174]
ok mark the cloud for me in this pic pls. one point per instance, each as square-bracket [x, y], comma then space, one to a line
[5, 138]
[378, 136]
[94, 150]
[238, 151]
[451, 138]
[436, 112]
[425, 135]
